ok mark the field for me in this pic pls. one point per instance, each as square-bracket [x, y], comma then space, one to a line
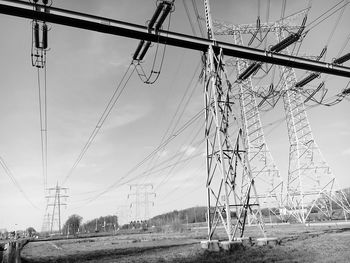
[299, 243]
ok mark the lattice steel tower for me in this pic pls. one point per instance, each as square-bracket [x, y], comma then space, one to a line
[269, 183]
[52, 221]
[267, 178]
[142, 202]
[229, 199]
[311, 183]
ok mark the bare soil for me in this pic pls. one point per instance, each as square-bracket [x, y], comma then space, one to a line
[299, 243]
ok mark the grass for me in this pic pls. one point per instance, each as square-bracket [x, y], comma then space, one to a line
[299, 244]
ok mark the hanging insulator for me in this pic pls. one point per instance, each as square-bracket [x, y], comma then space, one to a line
[36, 35]
[302, 27]
[163, 17]
[342, 59]
[285, 43]
[45, 39]
[252, 68]
[35, 1]
[138, 49]
[143, 53]
[45, 2]
[324, 50]
[307, 80]
[155, 16]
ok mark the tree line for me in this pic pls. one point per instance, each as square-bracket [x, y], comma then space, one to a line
[74, 225]
[190, 215]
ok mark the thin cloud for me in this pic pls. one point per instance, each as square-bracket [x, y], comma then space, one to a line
[188, 150]
[346, 152]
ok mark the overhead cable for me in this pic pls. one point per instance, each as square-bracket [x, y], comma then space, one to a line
[15, 182]
[120, 182]
[112, 101]
[42, 98]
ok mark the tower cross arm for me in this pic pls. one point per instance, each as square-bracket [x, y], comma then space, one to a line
[226, 28]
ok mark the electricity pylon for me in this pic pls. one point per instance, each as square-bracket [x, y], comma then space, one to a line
[268, 182]
[265, 173]
[123, 213]
[142, 200]
[311, 183]
[54, 200]
[227, 159]
[46, 221]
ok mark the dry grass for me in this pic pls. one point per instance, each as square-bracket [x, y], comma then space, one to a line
[299, 244]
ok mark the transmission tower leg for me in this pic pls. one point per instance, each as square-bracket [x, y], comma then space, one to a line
[311, 184]
[229, 201]
[265, 173]
[227, 160]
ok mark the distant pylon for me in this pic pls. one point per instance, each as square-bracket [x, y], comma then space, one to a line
[141, 203]
[54, 200]
[123, 214]
[46, 221]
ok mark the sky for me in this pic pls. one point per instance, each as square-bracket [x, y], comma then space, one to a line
[84, 69]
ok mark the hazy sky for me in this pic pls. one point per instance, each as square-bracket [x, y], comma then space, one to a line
[83, 69]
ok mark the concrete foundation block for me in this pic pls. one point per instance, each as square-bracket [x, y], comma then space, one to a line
[267, 241]
[211, 245]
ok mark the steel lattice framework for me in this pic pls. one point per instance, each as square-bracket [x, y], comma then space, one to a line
[311, 183]
[227, 158]
[269, 184]
[230, 185]
[52, 221]
[264, 170]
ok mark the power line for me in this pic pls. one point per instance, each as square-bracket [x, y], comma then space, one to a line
[180, 159]
[113, 100]
[15, 182]
[172, 122]
[335, 25]
[42, 98]
[149, 156]
[325, 14]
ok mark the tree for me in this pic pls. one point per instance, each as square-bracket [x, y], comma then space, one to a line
[102, 224]
[72, 224]
[31, 231]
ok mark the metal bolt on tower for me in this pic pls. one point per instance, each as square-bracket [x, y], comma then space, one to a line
[227, 159]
